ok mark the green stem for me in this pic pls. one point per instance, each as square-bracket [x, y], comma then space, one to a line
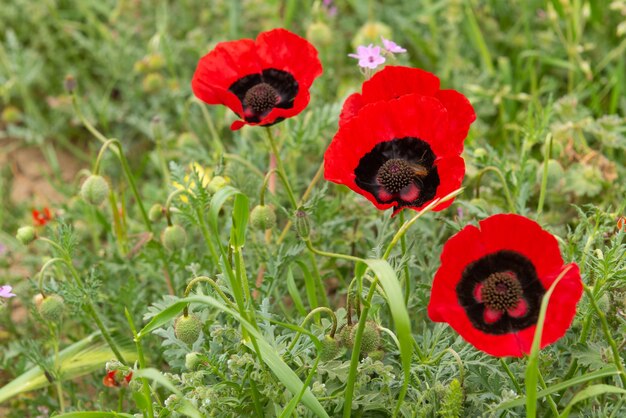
[43, 270]
[210, 281]
[356, 352]
[266, 180]
[506, 368]
[281, 168]
[204, 229]
[553, 407]
[505, 186]
[607, 333]
[89, 308]
[307, 318]
[407, 283]
[544, 176]
[142, 363]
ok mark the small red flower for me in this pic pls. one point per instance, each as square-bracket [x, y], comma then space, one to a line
[393, 82]
[398, 153]
[42, 218]
[621, 223]
[262, 81]
[114, 379]
[491, 282]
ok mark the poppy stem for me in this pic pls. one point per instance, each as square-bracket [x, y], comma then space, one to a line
[281, 168]
[142, 363]
[407, 283]
[307, 318]
[505, 186]
[214, 285]
[266, 180]
[607, 333]
[506, 368]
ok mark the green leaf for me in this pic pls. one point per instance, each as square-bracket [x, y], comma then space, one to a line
[590, 392]
[153, 374]
[79, 359]
[606, 372]
[402, 323]
[217, 202]
[241, 212]
[294, 293]
[162, 318]
[276, 364]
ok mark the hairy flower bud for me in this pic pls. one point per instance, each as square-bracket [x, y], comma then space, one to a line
[192, 360]
[94, 190]
[26, 234]
[303, 228]
[51, 308]
[331, 348]
[174, 237]
[344, 335]
[11, 114]
[156, 212]
[187, 328]
[263, 217]
[370, 340]
[319, 34]
[217, 183]
[152, 82]
[452, 404]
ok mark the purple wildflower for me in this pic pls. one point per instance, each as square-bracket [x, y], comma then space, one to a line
[5, 291]
[368, 56]
[391, 46]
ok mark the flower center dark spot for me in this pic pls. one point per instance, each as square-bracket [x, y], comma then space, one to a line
[261, 98]
[395, 174]
[501, 291]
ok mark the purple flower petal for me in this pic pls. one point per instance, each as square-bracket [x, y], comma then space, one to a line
[392, 47]
[368, 56]
[5, 292]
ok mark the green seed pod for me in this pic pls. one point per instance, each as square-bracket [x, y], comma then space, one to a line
[94, 190]
[331, 348]
[192, 360]
[26, 234]
[152, 82]
[319, 34]
[377, 355]
[263, 217]
[217, 183]
[452, 404]
[303, 227]
[155, 62]
[174, 237]
[51, 308]
[370, 339]
[344, 335]
[156, 212]
[187, 328]
[11, 114]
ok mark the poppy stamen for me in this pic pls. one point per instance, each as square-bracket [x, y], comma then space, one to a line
[261, 98]
[396, 174]
[501, 291]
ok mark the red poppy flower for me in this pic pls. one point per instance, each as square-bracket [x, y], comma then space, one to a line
[394, 81]
[114, 379]
[397, 153]
[41, 218]
[262, 81]
[491, 282]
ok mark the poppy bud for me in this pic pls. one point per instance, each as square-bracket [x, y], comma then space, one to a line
[263, 217]
[69, 83]
[187, 328]
[370, 340]
[378, 355]
[156, 212]
[11, 114]
[330, 348]
[303, 227]
[174, 237]
[192, 360]
[217, 183]
[26, 234]
[344, 336]
[51, 308]
[152, 83]
[319, 34]
[94, 190]
[155, 62]
[186, 139]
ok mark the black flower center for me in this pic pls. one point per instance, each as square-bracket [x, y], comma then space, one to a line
[395, 174]
[261, 98]
[260, 93]
[501, 291]
[401, 170]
